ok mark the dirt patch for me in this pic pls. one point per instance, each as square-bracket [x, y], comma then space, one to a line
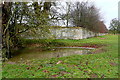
[99, 50]
[11, 62]
[113, 63]
[102, 38]
[54, 76]
[89, 45]
[46, 71]
[93, 45]
[94, 76]
[34, 45]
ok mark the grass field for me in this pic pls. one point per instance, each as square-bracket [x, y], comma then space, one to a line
[104, 64]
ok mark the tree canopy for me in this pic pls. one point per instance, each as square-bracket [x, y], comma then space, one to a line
[19, 17]
[115, 26]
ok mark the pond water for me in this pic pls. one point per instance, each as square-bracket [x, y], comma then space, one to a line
[38, 53]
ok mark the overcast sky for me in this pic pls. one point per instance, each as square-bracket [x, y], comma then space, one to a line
[108, 8]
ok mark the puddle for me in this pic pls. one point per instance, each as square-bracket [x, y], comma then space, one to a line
[37, 53]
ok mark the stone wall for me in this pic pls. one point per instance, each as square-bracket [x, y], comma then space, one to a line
[68, 33]
[73, 33]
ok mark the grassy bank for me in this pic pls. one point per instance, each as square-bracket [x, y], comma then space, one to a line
[91, 42]
[101, 65]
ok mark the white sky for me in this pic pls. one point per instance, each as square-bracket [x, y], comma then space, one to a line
[108, 9]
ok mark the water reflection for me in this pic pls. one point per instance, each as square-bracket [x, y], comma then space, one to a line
[37, 53]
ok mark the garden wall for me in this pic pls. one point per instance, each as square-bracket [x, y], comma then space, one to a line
[73, 33]
[67, 33]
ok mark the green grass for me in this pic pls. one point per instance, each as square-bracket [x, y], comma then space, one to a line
[60, 42]
[101, 65]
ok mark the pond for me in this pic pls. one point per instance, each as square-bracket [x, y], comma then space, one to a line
[38, 53]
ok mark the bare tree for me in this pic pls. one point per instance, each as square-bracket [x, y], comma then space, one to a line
[84, 14]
